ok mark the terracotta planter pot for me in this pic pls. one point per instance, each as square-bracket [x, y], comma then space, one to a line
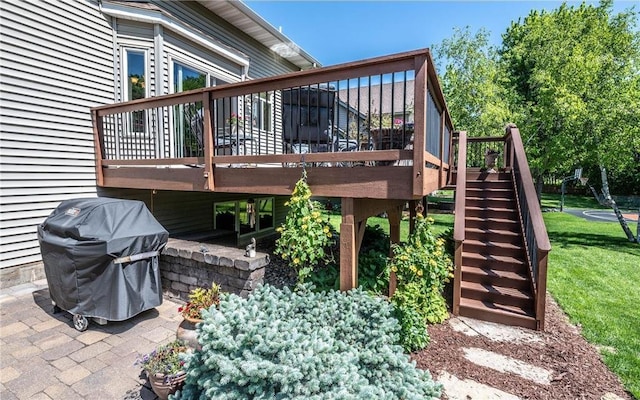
[187, 332]
[163, 386]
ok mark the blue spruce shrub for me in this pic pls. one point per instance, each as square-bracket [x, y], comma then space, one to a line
[281, 344]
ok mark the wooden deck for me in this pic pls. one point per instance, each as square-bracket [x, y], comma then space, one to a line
[174, 142]
[375, 133]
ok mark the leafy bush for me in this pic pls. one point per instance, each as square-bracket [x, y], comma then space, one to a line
[303, 236]
[422, 267]
[279, 344]
[373, 273]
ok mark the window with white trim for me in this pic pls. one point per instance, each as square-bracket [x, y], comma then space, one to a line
[135, 68]
[262, 112]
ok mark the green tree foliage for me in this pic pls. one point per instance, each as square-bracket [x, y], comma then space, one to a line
[471, 82]
[283, 344]
[575, 72]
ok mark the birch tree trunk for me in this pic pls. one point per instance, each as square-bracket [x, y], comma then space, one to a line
[606, 200]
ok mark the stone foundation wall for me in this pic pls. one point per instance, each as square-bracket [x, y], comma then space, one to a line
[21, 274]
[185, 265]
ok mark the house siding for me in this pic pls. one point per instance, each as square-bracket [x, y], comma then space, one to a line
[189, 212]
[60, 58]
[49, 54]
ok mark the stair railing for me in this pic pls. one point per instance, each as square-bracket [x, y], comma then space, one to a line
[458, 224]
[533, 228]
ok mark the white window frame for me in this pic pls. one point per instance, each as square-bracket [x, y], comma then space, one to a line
[258, 103]
[258, 229]
[128, 131]
[212, 79]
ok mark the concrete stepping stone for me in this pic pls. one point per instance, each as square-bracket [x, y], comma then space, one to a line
[494, 332]
[503, 363]
[468, 389]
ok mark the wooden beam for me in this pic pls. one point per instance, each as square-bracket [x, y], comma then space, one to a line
[98, 136]
[420, 123]
[330, 157]
[395, 216]
[207, 134]
[375, 182]
[348, 252]
[187, 179]
[412, 215]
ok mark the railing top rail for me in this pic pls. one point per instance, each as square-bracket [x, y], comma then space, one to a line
[542, 239]
[484, 139]
[461, 183]
[369, 67]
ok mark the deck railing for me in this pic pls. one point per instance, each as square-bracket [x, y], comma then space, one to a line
[459, 221]
[534, 231]
[366, 113]
[471, 153]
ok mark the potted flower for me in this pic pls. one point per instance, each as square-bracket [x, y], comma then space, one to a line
[164, 368]
[199, 299]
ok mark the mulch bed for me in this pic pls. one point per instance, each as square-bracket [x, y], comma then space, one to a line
[578, 371]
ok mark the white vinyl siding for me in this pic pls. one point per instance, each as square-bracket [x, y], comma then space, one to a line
[56, 62]
[58, 59]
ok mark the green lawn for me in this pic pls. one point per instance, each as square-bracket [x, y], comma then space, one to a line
[594, 274]
[552, 200]
[441, 222]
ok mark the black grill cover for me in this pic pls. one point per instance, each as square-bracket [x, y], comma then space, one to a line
[83, 242]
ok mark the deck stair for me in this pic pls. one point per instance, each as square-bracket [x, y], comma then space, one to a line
[495, 281]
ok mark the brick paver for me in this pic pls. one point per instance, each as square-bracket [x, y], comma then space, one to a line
[42, 356]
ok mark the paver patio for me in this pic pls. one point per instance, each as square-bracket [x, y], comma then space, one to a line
[43, 356]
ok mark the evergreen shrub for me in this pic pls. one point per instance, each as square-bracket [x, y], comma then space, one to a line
[283, 344]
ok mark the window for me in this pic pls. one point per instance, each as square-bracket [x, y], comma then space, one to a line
[261, 115]
[136, 86]
[225, 215]
[185, 78]
[249, 216]
[265, 213]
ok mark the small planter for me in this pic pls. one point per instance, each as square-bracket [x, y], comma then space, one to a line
[187, 332]
[164, 385]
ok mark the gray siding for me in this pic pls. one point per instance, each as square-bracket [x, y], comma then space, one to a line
[56, 62]
[57, 59]
[188, 212]
[263, 61]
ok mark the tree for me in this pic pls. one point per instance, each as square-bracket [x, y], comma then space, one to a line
[575, 73]
[470, 78]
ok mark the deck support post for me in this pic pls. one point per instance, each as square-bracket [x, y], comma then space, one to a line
[395, 216]
[349, 246]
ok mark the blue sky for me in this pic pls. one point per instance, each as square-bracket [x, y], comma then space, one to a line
[339, 31]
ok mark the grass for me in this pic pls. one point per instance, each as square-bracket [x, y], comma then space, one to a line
[594, 274]
[441, 222]
[552, 200]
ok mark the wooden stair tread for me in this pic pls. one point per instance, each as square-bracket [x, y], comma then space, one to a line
[489, 198]
[495, 273]
[504, 259]
[488, 311]
[491, 209]
[492, 232]
[491, 243]
[497, 290]
[492, 220]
